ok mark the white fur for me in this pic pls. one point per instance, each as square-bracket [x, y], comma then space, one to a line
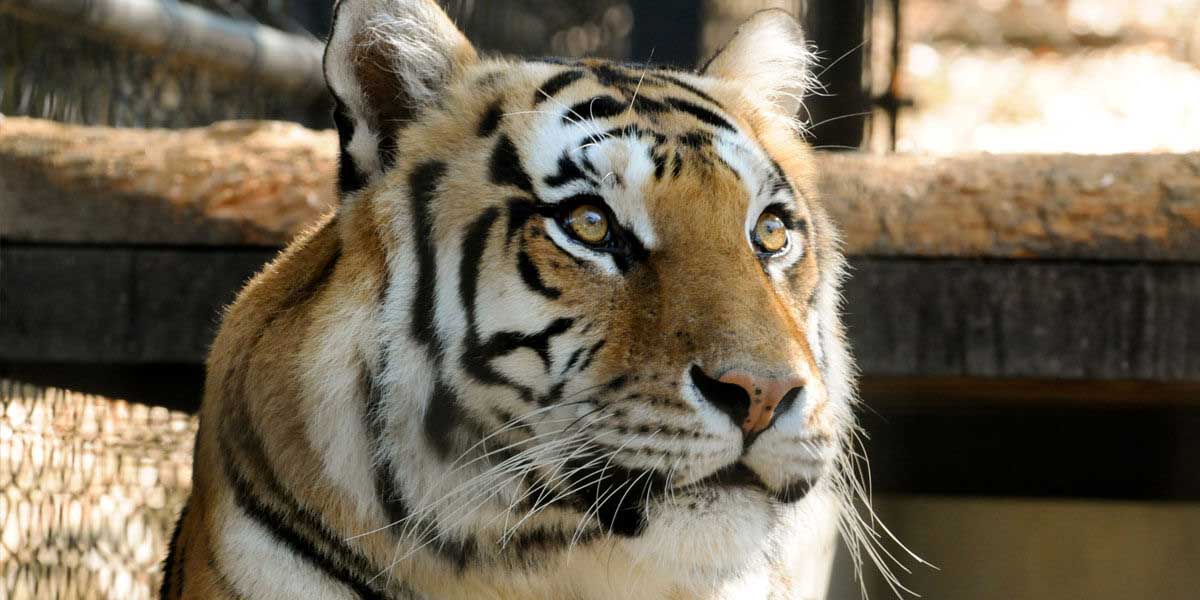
[259, 567]
[336, 426]
[733, 546]
[770, 62]
[418, 45]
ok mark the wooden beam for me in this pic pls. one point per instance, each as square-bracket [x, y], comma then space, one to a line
[906, 318]
[1020, 319]
[260, 183]
[231, 184]
[104, 305]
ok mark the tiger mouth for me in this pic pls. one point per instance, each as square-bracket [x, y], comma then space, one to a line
[739, 476]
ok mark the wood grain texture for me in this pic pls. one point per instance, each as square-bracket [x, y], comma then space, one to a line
[233, 183]
[117, 305]
[1025, 319]
[1119, 207]
[259, 183]
[927, 318]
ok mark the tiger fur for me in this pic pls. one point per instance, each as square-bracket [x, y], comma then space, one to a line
[438, 392]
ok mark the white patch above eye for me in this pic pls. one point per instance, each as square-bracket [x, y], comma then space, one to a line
[622, 164]
[626, 167]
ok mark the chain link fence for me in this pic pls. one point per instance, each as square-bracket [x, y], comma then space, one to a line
[89, 491]
[59, 71]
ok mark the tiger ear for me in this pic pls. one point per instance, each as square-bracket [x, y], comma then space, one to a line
[386, 61]
[769, 59]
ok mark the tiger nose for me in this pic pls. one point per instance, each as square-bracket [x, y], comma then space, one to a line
[753, 402]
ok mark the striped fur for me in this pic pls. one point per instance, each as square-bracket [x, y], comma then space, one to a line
[439, 393]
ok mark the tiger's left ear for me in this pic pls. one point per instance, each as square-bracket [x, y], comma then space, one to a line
[769, 59]
[385, 62]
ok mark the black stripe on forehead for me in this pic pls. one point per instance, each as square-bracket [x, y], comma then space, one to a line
[490, 119]
[703, 114]
[597, 107]
[556, 84]
[673, 80]
[505, 166]
[568, 172]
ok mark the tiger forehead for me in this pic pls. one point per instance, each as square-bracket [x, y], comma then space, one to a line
[590, 120]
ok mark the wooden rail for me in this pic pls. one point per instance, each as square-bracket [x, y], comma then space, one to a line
[121, 246]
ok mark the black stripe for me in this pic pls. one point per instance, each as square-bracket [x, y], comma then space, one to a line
[568, 172]
[506, 166]
[689, 87]
[422, 184]
[350, 179]
[555, 84]
[598, 107]
[239, 441]
[591, 354]
[532, 277]
[696, 139]
[632, 130]
[490, 120]
[520, 210]
[473, 246]
[610, 75]
[573, 359]
[390, 498]
[621, 513]
[442, 417]
[705, 115]
[278, 525]
[507, 342]
[243, 444]
[476, 357]
[173, 564]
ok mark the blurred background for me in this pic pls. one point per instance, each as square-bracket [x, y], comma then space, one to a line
[1018, 181]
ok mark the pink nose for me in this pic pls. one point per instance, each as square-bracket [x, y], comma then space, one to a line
[768, 395]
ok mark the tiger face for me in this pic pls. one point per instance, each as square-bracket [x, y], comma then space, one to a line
[610, 307]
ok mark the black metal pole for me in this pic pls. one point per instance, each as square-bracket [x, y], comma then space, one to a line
[838, 114]
[666, 32]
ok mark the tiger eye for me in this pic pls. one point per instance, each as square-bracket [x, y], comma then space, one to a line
[588, 223]
[770, 234]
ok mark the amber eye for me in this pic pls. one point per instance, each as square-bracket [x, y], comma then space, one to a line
[770, 233]
[588, 223]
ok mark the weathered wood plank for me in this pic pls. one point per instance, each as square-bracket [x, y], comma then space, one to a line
[260, 183]
[231, 184]
[117, 305]
[1025, 319]
[1009, 319]
[1050, 206]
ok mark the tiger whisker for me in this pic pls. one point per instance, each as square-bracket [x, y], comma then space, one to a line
[539, 505]
[425, 501]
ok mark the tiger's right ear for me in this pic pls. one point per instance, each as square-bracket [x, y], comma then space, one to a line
[385, 62]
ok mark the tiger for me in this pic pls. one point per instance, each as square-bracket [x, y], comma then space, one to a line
[572, 331]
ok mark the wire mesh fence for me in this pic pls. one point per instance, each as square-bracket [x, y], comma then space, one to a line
[89, 490]
[58, 70]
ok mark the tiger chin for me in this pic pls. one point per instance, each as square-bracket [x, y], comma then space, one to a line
[571, 332]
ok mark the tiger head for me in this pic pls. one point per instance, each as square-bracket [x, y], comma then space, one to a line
[610, 307]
